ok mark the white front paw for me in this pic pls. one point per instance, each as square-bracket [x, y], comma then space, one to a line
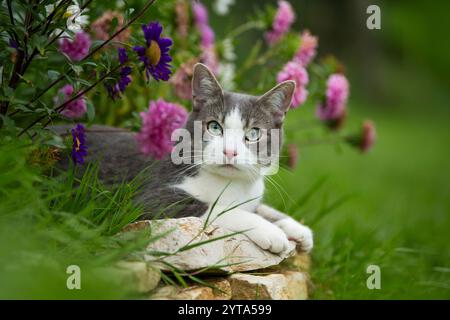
[297, 232]
[269, 237]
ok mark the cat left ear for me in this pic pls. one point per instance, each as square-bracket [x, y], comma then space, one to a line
[205, 87]
[279, 97]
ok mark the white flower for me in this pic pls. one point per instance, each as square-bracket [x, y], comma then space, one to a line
[222, 7]
[228, 50]
[76, 18]
[76, 21]
[226, 75]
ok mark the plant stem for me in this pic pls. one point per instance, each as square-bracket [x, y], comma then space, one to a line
[315, 142]
[245, 27]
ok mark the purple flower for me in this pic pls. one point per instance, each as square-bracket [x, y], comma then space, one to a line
[295, 71]
[200, 13]
[307, 50]
[155, 55]
[73, 110]
[158, 123]
[77, 49]
[282, 22]
[124, 77]
[208, 36]
[79, 148]
[13, 44]
[123, 57]
[333, 109]
[201, 20]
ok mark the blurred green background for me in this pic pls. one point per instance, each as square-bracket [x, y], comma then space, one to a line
[395, 208]
[390, 207]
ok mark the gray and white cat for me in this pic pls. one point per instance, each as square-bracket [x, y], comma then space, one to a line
[230, 124]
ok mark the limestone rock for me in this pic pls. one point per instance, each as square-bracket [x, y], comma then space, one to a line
[290, 285]
[136, 276]
[221, 290]
[235, 253]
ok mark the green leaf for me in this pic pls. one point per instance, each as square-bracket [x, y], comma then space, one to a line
[77, 69]
[90, 110]
[53, 74]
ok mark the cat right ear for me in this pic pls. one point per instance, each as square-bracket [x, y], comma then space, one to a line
[205, 87]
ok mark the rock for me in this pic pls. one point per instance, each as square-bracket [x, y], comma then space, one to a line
[235, 253]
[221, 291]
[290, 285]
[136, 276]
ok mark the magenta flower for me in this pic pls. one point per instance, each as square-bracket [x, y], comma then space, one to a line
[282, 22]
[295, 71]
[75, 109]
[333, 110]
[307, 50]
[78, 48]
[158, 123]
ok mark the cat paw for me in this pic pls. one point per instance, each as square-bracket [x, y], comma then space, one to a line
[269, 237]
[297, 232]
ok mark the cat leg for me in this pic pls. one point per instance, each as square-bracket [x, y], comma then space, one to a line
[265, 234]
[293, 229]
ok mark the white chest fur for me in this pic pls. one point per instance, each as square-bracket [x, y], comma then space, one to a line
[207, 187]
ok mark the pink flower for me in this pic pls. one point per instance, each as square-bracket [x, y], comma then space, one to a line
[78, 48]
[292, 154]
[307, 50]
[334, 107]
[102, 26]
[182, 18]
[295, 71]
[182, 79]
[200, 13]
[158, 123]
[201, 20]
[368, 136]
[75, 109]
[209, 58]
[207, 36]
[282, 22]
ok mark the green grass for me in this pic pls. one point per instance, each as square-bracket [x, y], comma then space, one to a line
[395, 213]
[389, 208]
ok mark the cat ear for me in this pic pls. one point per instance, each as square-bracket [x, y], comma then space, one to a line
[205, 88]
[279, 97]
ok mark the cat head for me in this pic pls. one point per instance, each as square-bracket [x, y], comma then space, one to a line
[241, 134]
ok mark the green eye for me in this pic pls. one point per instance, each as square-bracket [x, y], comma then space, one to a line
[253, 134]
[214, 128]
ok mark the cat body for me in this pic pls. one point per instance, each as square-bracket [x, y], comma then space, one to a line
[220, 179]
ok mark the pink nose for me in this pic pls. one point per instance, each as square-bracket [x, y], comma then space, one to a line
[230, 154]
